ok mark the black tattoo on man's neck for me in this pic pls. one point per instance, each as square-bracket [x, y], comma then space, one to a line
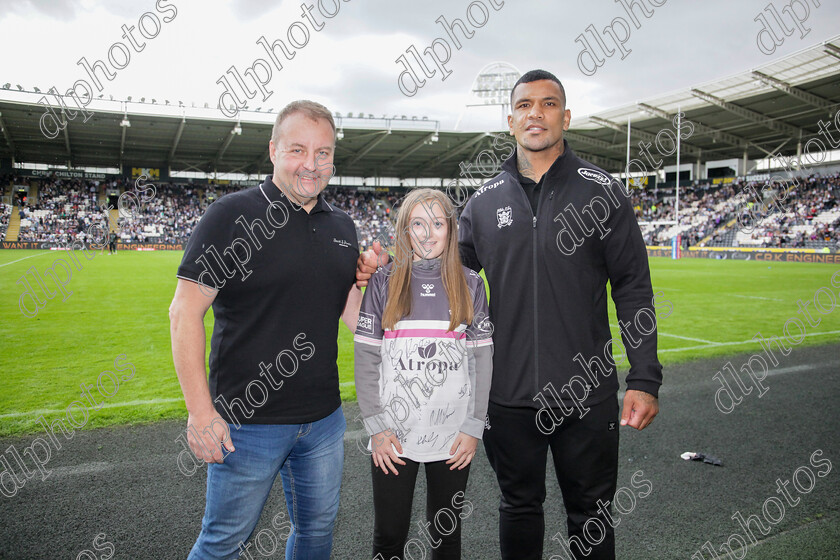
[524, 165]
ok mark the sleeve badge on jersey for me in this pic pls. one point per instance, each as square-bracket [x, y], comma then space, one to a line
[365, 323]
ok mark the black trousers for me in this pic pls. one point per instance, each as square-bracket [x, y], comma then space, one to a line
[392, 499]
[585, 453]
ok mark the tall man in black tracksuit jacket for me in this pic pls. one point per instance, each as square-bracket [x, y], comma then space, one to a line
[549, 231]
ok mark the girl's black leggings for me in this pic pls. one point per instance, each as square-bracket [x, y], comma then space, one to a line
[439, 536]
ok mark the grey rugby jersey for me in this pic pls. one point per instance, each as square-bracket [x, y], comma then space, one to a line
[420, 380]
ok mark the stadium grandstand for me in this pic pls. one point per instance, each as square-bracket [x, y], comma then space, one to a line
[748, 161]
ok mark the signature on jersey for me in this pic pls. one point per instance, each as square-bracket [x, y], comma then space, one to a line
[439, 416]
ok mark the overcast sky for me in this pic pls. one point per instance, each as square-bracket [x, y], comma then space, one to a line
[350, 64]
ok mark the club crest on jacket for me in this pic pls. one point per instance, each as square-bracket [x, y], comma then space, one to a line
[505, 216]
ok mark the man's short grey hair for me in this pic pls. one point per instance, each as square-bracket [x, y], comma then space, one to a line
[311, 109]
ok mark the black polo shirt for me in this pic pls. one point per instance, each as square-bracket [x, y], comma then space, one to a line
[532, 190]
[283, 276]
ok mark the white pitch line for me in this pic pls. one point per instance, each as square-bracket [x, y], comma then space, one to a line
[349, 383]
[687, 338]
[83, 469]
[757, 297]
[106, 405]
[771, 372]
[794, 369]
[713, 345]
[24, 258]
[677, 336]
[360, 435]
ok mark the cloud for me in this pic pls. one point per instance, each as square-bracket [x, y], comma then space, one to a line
[350, 65]
[62, 10]
[249, 10]
[130, 10]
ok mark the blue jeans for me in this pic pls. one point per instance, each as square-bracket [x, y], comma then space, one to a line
[309, 457]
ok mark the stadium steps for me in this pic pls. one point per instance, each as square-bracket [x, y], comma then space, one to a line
[13, 229]
[721, 229]
[113, 216]
[727, 227]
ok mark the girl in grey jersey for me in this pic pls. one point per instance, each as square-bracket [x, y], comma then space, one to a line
[423, 366]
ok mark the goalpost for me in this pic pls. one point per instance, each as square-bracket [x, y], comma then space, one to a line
[629, 183]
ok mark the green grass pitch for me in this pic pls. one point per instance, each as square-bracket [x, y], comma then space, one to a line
[119, 305]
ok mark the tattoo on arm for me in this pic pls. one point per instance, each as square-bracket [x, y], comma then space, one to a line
[646, 397]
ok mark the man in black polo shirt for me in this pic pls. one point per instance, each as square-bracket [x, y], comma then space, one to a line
[277, 264]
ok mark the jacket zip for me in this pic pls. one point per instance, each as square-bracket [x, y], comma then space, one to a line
[534, 241]
[534, 274]
[536, 322]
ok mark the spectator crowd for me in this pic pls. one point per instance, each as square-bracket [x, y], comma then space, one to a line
[799, 213]
[805, 212]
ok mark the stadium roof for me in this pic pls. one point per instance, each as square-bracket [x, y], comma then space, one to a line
[768, 110]
[764, 111]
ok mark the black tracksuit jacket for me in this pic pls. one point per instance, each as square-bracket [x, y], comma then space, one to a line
[548, 284]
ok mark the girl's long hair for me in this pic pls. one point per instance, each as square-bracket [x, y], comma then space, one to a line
[398, 303]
